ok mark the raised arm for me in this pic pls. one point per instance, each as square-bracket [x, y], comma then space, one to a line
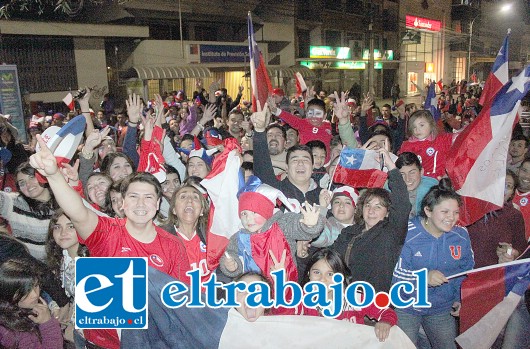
[342, 112]
[263, 168]
[85, 110]
[84, 220]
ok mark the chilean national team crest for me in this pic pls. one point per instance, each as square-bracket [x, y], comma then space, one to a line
[456, 252]
[202, 246]
[430, 151]
[156, 260]
[523, 201]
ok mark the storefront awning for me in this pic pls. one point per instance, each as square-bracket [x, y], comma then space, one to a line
[182, 72]
[289, 72]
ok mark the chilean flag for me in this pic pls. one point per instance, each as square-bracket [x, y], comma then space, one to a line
[223, 183]
[476, 162]
[69, 101]
[489, 297]
[499, 74]
[359, 168]
[431, 102]
[259, 78]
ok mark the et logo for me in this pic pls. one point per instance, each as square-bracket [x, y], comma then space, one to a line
[110, 293]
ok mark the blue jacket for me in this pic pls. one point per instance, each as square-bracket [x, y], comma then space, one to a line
[450, 254]
[426, 184]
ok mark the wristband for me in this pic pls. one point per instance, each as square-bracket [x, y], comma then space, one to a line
[133, 124]
[201, 127]
[85, 112]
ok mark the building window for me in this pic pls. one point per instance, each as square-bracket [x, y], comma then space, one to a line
[333, 5]
[304, 41]
[44, 64]
[333, 38]
[458, 68]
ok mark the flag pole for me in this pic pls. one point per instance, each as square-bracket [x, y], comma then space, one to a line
[335, 169]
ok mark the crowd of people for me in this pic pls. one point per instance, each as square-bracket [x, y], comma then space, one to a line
[135, 181]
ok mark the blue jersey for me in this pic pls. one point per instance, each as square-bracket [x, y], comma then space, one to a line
[450, 254]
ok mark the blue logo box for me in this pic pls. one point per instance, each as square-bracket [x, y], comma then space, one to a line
[110, 293]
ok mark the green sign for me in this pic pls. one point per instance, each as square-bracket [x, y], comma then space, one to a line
[329, 52]
[10, 99]
[356, 65]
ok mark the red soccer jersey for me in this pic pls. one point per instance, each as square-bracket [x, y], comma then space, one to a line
[523, 201]
[196, 251]
[307, 131]
[111, 239]
[432, 154]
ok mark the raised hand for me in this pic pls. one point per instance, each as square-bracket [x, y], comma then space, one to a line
[388, 163]
[71, 173]
[149, 124]
[198, 84]
[367, 102]
[95, 138]
[310, 214]
[43, 160]
[84, 102]
[272, 105]
[209, 113]
[134, 108]
[340, 107]
[241, 88]
[261, 118]
[159, 108]
[277, 265]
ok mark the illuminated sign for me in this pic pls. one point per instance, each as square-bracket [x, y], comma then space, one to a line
[388, 55]
[423, 23]
[429, 67]
[351, 65]
[329, 52]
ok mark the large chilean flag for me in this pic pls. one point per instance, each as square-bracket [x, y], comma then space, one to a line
[498, 76]
[489, 297]
[259, 78]
[223, 183]
[477, 160]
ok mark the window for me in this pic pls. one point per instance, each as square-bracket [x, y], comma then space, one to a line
[333, 38]
[335, 5]
[304, 40]
[44, 64]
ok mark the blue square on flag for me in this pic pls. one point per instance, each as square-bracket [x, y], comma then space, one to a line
[352, 158]
[110, 293]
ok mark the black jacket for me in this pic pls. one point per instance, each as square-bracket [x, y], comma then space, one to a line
[264, 171]
[375, 253]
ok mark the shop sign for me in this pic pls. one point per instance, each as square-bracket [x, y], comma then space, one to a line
[388, 55]
[223, 53]
[350, 65]
[10, 99]
[423, 23]
[329, 52]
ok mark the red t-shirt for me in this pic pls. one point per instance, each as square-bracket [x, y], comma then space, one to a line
[432, 154]
[196, 251]
[308, 132]
[523, 201]
[111, 239]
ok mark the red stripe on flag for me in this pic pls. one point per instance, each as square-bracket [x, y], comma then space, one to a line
[481, 291]
[360, 178]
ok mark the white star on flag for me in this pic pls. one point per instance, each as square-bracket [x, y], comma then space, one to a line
[519, 81]
[350, 160]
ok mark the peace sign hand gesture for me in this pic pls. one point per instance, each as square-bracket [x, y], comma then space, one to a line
[278, 264]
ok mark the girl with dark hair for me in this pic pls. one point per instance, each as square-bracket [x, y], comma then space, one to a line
[62, 248]
[117, 166]
[436, 243]
[25, 320]
[29, 211]
[325, 263]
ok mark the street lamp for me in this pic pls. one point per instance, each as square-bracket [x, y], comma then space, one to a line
[504, 8]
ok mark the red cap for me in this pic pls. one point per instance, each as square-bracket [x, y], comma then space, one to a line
[278, 92]
[257, 203]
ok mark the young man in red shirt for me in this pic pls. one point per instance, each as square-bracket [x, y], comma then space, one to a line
[133, 236]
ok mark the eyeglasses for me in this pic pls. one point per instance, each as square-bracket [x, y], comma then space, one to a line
[315, 113]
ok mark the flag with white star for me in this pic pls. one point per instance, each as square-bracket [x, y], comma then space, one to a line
[477, 160]
[360, 168]
[431, 102]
